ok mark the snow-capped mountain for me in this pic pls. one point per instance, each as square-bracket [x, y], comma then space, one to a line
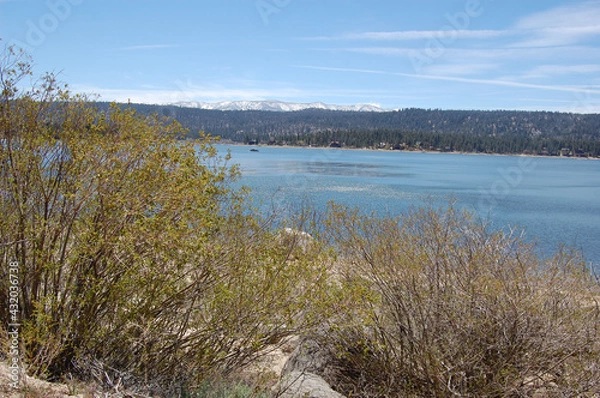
[277, 106]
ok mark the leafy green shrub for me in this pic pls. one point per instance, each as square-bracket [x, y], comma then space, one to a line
[139, 266]
[454, 310]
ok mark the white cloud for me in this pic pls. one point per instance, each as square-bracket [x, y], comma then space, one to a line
[406, 35]
[388, 51]
[148, 47]
[165, 96]
[544, 71]
[560, 26]
[187, 92]
[481, 55]
[459, 69]
[559, 33]
[493, 82]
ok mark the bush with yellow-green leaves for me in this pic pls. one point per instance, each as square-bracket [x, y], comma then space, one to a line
[138, 262]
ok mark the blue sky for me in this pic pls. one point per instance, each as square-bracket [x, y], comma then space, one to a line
[449, 54]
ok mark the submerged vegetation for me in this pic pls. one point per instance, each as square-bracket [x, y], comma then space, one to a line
[141, 267]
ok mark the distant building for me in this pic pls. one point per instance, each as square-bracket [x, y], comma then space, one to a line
[565, 152]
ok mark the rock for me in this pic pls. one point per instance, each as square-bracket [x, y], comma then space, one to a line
[297, 239]
[272, 359]
[305, 372]
[304, 385]
[309, 356]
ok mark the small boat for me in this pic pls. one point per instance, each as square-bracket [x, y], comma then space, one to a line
[253, 150]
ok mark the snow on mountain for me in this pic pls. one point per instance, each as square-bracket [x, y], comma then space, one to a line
[277, 106]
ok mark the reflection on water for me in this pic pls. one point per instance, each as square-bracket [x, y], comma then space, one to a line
[328, 168]
[349, 169]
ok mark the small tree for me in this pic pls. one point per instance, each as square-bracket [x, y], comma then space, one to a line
[136, 258]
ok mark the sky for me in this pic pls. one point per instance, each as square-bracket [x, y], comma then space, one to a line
[443, 54]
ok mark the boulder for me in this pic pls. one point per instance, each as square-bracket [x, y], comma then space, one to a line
[309, 356]
[305, 372]
[297, 239]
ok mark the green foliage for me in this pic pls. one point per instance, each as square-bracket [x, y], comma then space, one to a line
[457, 311]
[138, 263]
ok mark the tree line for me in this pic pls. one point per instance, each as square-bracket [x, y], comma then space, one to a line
[458, 142]
[539, 133]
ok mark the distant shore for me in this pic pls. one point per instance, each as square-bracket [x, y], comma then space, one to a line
[346, 148]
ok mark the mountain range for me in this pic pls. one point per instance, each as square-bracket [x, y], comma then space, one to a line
[277, 106]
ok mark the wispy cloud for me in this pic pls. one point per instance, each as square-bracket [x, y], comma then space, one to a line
[167, 96]
[148, 47]
[494, 82]
[408, 35]
[483, 55]
[186, 92]
[545, 71]
[568, 33]
[460, 69]
[560, 26]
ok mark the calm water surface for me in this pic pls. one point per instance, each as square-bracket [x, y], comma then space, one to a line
[556, 200]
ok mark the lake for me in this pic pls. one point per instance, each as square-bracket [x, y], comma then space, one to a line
[555, 200]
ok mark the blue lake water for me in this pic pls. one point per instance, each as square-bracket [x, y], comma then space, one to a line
[556, 200]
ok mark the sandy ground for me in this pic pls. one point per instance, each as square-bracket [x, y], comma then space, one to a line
[30, 387]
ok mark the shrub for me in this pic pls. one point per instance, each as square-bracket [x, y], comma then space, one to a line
[138, 264]
[212, 389]
[455, 310]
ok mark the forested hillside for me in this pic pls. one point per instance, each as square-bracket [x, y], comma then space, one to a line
[546, 145]
[542, 133]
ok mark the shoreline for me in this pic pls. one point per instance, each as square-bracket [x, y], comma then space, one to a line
[409, 151]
